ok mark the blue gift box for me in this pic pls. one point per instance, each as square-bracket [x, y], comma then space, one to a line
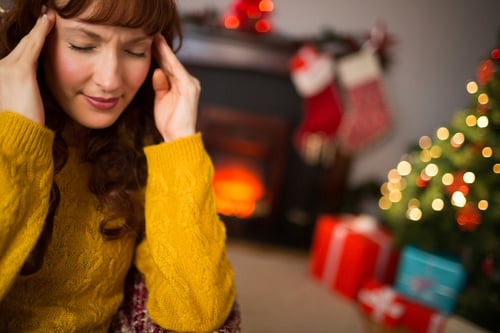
[430, 279]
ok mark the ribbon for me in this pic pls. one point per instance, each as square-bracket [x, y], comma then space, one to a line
[383, 301]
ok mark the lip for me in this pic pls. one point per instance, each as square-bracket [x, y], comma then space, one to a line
[102, 103]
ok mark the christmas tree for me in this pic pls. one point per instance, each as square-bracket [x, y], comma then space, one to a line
[444, 195]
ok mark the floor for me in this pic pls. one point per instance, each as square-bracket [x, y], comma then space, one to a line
[276, 294]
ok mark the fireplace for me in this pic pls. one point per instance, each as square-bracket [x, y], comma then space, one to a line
[249, 153]
[248, 111]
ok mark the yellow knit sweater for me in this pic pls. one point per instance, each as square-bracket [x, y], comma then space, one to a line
[80, 285]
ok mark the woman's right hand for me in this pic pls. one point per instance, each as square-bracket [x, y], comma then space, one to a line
[19, 90]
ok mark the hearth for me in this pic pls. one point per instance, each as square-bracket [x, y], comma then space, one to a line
[248, 111]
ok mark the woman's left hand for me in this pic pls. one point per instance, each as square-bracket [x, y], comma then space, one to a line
[176, 94]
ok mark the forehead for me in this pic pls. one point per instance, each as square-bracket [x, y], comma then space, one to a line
[124, 13]
[69, 28]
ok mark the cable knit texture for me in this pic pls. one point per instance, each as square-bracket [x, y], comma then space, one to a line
[80, 286]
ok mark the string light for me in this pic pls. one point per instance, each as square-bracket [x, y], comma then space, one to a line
[394, 176]
[496, 168]
[458, 199]
[395, 196]
[436, 152]
[482, 122]
[487, 152]
[266, 6]
[443, 133]
[471, 120]
[457, 140]
[425, 155]
[384, 203]
[425, 142]
[404, 168]
[469, 177]
[482, 205]
[431, 170]
[262, 26]
[483, 99]
[384, 189]
[414, 214]
[471, 87]
[438, 204]
[414, 202]
[447, 179]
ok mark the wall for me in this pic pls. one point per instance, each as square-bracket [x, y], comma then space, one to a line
[439, 45]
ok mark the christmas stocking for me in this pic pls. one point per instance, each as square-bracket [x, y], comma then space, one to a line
[367, 116]
[313, 76]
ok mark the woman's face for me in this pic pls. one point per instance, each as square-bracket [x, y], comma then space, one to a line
[94, 71]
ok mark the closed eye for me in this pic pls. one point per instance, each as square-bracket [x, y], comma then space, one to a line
[81, 48]
[136, 54]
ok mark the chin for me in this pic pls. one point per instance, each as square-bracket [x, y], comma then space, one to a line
[98, 121]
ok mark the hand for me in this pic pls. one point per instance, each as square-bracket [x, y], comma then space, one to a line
[19, 90]
[176, 94]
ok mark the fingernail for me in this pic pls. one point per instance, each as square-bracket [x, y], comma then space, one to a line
[44, 10]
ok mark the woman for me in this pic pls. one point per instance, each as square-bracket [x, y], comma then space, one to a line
[101, 170]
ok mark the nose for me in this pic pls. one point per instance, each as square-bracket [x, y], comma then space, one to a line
[107, 74]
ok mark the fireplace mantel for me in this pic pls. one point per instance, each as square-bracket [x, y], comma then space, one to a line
[218, 47]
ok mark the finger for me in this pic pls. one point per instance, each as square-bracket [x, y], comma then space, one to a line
[160, 81]
[31, 45]
[167, 59]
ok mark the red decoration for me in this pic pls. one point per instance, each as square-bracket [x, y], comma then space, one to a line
[367, 117]
[468, 217]
[250, 16]
[495, 54]
[312, 73]
[488, 265]
[421, 182]
[347, 251]
[458, 184]
[485, 71]
[482, 109]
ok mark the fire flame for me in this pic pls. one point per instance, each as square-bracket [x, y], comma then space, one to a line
[237, 190]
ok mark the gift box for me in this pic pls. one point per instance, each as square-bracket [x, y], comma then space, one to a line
[348, 250]
[381, 303]
[419, 318]
[387, 310]
[430, 279]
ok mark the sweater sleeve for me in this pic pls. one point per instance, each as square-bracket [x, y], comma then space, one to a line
[26, 171]
[183, 256]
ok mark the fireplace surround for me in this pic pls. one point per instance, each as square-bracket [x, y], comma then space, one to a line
[248, 111]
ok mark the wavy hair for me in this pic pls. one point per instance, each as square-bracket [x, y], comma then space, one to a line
[115, 154]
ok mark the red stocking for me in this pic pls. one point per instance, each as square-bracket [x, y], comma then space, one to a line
[313, 76]
[368, 116]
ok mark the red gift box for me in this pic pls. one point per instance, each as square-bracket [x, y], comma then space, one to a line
[349, 250]
[382, 303]
[419, 318]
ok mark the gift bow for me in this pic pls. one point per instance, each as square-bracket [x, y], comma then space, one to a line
[383, 301]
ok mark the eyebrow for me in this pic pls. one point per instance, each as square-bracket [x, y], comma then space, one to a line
[98, 37]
